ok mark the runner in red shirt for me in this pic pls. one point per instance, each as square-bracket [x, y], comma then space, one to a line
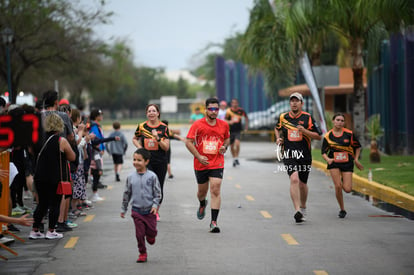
[208, 139]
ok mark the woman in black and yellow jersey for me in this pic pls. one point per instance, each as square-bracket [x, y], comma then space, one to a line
[341, 149]
[153, 136]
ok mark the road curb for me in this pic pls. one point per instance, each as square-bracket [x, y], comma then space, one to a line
[377, 190]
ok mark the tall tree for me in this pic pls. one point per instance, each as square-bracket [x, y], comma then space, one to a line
[265, 45]
[46, 33]
[360, 23]
[276, 43]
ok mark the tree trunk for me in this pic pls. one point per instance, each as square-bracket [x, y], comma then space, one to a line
[358, 111]
[358, 102]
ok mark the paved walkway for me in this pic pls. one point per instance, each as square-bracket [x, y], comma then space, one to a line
[259, 235]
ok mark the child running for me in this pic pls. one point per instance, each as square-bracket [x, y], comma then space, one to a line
[143, 188]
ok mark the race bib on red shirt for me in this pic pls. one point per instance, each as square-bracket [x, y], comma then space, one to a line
[210, 147]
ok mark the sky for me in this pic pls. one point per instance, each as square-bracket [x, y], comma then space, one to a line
[170, 33]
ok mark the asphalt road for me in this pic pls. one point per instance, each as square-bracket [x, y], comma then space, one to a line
[258, 232]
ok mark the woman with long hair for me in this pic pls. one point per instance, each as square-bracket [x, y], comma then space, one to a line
[153, 136]
[341, 149]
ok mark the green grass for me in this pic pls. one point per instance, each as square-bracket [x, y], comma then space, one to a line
[393, 171]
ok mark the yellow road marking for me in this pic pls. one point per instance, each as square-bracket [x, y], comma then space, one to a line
[109, 187]
[238, 186]
[289, 239]
[89, 218]
[72, 242]
[265, 214]
[320, 272]
[249, 198]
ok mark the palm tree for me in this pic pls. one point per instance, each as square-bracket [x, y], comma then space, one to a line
[361, 23]
[265, 46]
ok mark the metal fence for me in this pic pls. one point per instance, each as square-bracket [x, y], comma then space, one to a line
[391, 93]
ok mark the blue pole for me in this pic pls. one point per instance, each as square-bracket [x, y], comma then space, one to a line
[9, 84]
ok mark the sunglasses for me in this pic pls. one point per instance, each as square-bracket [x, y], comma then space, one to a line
[213, 109]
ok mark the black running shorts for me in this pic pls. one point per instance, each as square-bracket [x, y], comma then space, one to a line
[303, 167]
[118, 159]
[234, 136]
[203, 176]
[343, 167]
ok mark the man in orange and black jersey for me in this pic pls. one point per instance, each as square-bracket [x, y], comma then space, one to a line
[298, 128]
[234, 116]
[340, 149]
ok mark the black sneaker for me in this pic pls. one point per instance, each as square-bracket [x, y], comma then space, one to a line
[237, 161]
[234, 163]
[170, 177]
[63, 227]
[117, 177]
[13, 228]
[298, 217]
[214, 228]
[342, 214]
[102, 186]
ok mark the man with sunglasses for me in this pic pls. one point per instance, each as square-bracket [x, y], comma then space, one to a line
[208, 139]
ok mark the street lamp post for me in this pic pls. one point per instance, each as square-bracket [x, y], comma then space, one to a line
[7, 35]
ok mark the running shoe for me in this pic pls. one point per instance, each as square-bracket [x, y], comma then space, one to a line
[237, 161]
[234, 163]
[17, 211]
[298, 217]
[142, 258]
[71, 224]
[86, 207]
[151, 241]
[214, 228]
[62, 227]
[13, 228]
[78, 212]
[201, 212]
[117, 178]
[342, 214]
[96, 198]
[102, 186]
[53, 235]
[303, 211]
[6, 241]
[170, 177]
[34, 235]
[27, 209]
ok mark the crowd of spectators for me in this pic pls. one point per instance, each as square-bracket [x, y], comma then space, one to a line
[71, 149]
